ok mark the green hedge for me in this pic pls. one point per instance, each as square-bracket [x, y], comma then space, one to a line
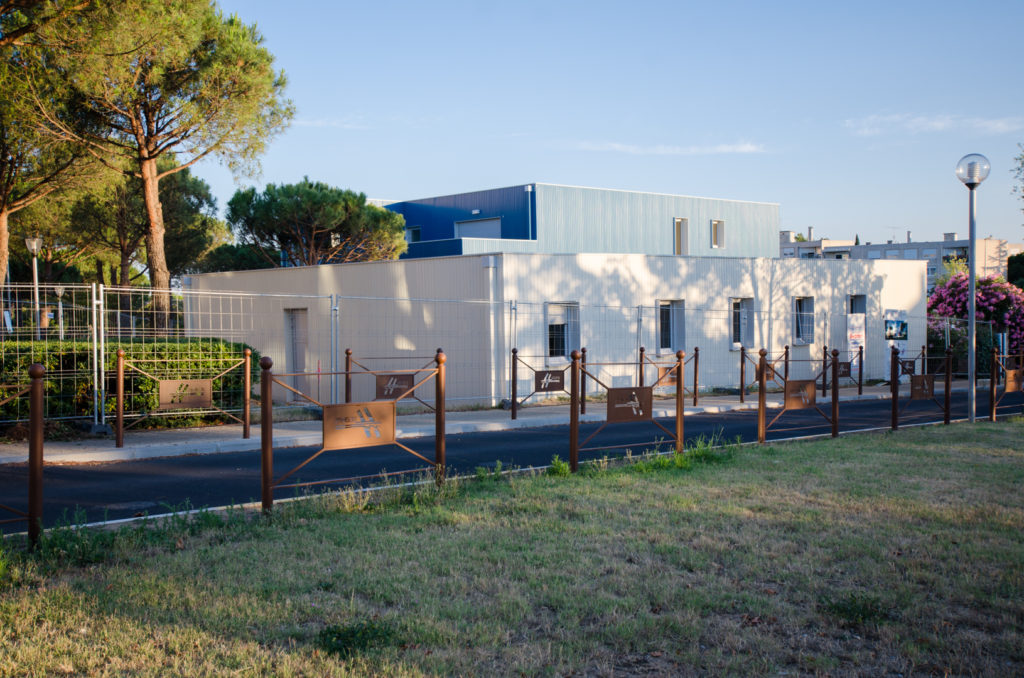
[69, 382]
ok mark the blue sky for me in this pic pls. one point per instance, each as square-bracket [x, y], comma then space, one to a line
[851, 116]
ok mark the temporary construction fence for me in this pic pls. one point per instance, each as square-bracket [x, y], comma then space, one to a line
[78, 329]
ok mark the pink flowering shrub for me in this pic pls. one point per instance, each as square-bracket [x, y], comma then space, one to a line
[996, 301]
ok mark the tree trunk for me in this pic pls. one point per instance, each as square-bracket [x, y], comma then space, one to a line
[5, 240]
[160, 277]
[99, 273]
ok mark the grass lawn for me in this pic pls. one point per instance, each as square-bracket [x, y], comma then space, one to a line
[882, 555]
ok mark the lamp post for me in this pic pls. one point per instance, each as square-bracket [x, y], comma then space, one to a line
[972, 170]
[34, 245]
[59, 291]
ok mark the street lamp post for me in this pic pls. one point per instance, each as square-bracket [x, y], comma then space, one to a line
[972, 170]
[34, 245]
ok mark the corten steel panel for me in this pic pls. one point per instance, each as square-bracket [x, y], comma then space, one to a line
[630, 404]
[922, 387]
[769, 372]
[908, 366]
[844, 369]
[185, 394]
[352, 425]
[1014, 381]
[546, 381]
[390, 386]
[666, 375]
[800, 394]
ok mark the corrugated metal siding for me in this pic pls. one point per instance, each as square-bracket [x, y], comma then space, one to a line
[575, 219]
[436, 217]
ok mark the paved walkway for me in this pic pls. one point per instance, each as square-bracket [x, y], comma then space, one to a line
[228, 438]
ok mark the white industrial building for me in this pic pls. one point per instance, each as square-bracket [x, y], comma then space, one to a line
[395, 314]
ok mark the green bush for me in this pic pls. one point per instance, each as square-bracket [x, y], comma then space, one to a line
[69, 383]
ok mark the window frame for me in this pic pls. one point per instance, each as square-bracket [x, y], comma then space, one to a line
[740, 309]
[801, 316]
[676, 325]
[570, 338]
[718, 234]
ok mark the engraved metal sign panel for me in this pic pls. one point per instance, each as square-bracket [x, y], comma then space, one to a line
[352, 425]
[845, 369]
[908, 366]
[1014, 382]
[769, 372]
[667, 375]
[390, 386]
[922, 387]
[185, 394]
[546, 381]
[630, 404]
[800, 394]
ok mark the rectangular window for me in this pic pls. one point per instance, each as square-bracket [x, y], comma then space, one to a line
[682, 230]
[741, 320]
[858, 303]
[717, 234]
[929, 253]
[671, 330]
[563, 328]
[412, 234]
[892, 254]
[874, 254]
[803, 320]
[910, 253]
[788, 252]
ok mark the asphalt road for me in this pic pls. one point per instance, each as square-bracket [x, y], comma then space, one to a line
[114, 490]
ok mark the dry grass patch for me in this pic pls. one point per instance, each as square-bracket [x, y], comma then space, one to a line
[871, 555]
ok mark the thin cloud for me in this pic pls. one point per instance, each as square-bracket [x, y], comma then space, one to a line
[876, 125]
[663, 149]
[335, 123]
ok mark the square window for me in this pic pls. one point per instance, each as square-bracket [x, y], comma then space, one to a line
[412, 234]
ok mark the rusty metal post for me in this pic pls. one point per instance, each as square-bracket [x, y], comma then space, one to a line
[824, 371]
[680, 405]
[35, 454]
[641, 371]
[949, 386]
[246, 391]
[574, 412]
[860, 370]
[696, 374]
[993, 368]
[266, 434]
[835, 393]
[583, 380]
[439, 439]
[785, 363]
[119, 412]
[348, 375]
[515, 382]
[894, 386]
[762, 398]
[743, 374]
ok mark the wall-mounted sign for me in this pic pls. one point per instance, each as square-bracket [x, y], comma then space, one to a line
[390, 386]
[922, 387]
[855, 335]
[185, 394]
[630, 404]
[546, 381]
[896, 329]
[352, 425]
[800, 394]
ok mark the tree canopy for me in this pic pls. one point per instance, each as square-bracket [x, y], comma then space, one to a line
[312, 223]
[162, 77]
